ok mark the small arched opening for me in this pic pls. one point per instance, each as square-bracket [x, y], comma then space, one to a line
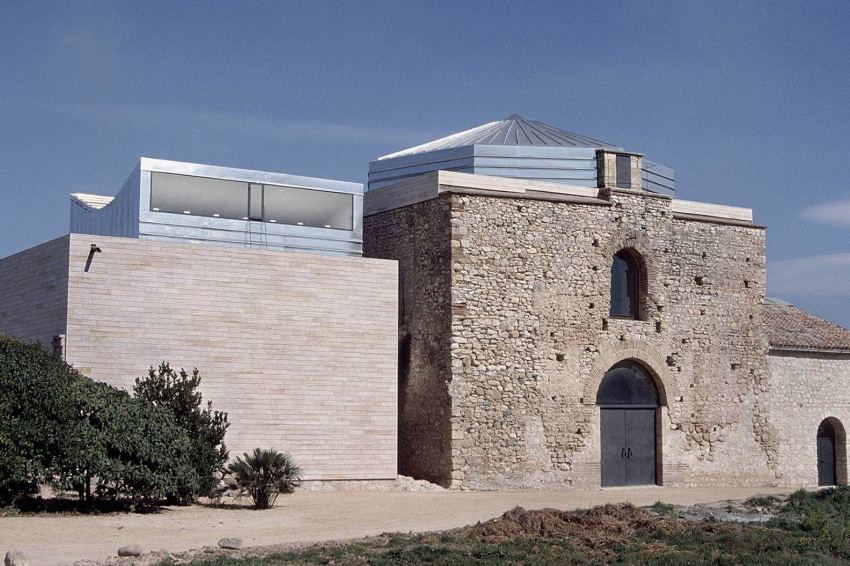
[831, 453]
[628, 400]
[627, 284]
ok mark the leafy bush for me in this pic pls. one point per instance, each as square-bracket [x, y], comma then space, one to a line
[131, 448]
[178, 393]
[264, 474]
[36, 391]
[63, 429]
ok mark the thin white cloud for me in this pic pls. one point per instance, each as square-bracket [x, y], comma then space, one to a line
[195, 123]
[824, 276]
[831, 213]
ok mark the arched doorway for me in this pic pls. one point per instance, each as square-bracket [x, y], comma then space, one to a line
[826, 453]
[628, 401]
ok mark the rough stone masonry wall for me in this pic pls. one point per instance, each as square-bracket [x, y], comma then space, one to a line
[719, 353]
[419, 238]
[532, 338]
[299, 349]
[805, 389]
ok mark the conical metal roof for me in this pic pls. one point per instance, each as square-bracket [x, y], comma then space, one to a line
[515, 130]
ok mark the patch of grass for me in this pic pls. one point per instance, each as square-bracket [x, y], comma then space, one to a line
[768, 502]
[663, 509]
[741, 545]
[811, 529]
[833, 501]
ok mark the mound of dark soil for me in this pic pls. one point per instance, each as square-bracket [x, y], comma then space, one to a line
[598, 525]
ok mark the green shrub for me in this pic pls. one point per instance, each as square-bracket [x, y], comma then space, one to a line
[63, 429]
[15, 480]
[264, 474]
[36, 392]
[178, 393]
[131, 448]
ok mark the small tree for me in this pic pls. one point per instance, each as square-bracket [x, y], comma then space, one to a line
[35, 394]
[178, 393]
[265, 474]
[59, 427]
[129, 447]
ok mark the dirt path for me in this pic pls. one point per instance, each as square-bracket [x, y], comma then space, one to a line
[308, 517]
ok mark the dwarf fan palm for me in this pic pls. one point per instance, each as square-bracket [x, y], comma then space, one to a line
[264, 474]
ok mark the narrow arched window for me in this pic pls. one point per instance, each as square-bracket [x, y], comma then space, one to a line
[625, 285]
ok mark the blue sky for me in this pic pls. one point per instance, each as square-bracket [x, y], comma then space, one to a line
[747, 101]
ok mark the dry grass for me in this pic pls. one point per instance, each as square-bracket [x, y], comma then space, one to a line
[811, 529]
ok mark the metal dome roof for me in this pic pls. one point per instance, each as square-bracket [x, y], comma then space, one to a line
[515, 130]
[516, 147]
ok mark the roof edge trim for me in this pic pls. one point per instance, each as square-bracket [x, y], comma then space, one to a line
[842, 351]
[248, 175]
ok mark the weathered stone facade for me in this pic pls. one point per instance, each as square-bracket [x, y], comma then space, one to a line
[807, 388]
[419, 238]
[522, 299]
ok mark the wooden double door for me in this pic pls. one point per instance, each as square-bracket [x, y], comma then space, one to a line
[826, 454]
[628, 446]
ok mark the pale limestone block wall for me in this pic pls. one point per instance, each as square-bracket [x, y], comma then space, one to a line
[298, 349]
[806, 388]
[34, 292]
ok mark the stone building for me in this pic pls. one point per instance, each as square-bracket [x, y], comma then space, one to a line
[564, 323]
[810, 370]
[551, 317]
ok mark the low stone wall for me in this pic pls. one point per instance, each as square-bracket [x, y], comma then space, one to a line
[401, 483]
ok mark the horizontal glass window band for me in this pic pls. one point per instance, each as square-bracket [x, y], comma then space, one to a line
[236, 200]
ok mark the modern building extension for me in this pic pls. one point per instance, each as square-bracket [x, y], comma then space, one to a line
[256, 279]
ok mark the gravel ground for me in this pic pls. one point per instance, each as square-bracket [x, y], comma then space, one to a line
[307, 517]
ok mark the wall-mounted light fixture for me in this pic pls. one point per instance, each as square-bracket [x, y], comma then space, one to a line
[94, 249]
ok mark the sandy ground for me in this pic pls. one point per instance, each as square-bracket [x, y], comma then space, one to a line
[308, 517]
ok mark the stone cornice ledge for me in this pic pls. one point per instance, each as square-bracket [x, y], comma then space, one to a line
[805, 350]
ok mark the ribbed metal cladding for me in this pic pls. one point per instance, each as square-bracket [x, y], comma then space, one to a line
[207, 204]
[516, 147]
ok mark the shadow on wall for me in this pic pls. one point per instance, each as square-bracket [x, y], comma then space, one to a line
[424, 419]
